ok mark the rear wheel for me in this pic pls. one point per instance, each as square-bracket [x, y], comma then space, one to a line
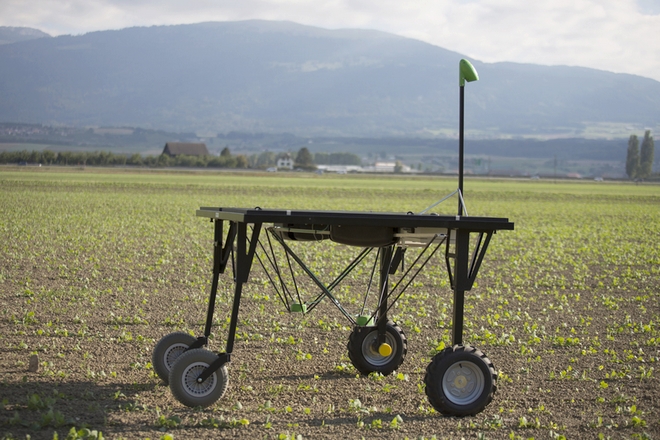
[460, 381]
[368, 356]
[168, 349]
[185, 386]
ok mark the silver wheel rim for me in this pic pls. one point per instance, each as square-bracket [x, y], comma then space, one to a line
[189, 380]
[463, 383]
[370, 352]
[172, 353]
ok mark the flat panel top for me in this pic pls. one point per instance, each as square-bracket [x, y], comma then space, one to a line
[391, 219]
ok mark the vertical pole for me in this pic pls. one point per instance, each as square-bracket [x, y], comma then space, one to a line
[461, 124]
[461, 280]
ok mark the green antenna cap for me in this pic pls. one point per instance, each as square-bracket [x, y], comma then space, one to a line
[466, 72]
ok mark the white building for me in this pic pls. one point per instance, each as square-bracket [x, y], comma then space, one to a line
[285, 161]
[389, 167]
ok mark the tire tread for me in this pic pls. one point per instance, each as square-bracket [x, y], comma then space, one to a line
[433, 372]
[197, 355]
[161, 347]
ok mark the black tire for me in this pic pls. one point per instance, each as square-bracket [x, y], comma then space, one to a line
[168, 349]
[183, 379]
[366, 359]
[460, 381]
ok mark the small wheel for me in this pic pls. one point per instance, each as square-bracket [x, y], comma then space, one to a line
[460, 381]
[366, 356]
[168, 349]
[184, 374]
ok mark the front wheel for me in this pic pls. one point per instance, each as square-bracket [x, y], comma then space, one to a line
[168, 349]
[460, 381]
[368, 357]
[183, 379]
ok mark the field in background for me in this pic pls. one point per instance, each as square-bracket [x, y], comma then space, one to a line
[97, 265]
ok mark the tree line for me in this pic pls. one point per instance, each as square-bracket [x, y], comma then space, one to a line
[303, 159]
[103, 158]
[639, 162]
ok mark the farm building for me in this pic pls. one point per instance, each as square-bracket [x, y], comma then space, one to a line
[285, 161]
[188, 148]
[390, 167]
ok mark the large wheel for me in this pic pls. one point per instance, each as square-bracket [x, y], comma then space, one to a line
[184, 374]
[168, 349]
[367, 357]
[460, 381]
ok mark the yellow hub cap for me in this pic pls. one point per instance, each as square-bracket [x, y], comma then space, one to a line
[385, 349]
[460, 382]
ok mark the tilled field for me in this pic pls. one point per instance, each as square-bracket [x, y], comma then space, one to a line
[95, 268]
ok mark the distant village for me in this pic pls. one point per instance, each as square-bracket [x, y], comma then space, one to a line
[112, 146]
[303, 160]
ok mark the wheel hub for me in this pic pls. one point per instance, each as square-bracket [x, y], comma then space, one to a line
[191, 383]
[378, 354]
[385, 349]
[460, 382]
[172, 353]
[463, 383]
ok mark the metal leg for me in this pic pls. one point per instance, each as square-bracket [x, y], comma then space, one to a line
[244, 257]
[461, 283]
[217, 257]
[220, 257]
[385, 266]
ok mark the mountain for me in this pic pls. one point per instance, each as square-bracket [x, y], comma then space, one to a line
[10, 35]
[262, 76]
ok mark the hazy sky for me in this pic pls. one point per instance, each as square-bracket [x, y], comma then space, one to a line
[614, 35]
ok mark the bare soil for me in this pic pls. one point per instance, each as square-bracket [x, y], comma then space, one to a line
[574, 335]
